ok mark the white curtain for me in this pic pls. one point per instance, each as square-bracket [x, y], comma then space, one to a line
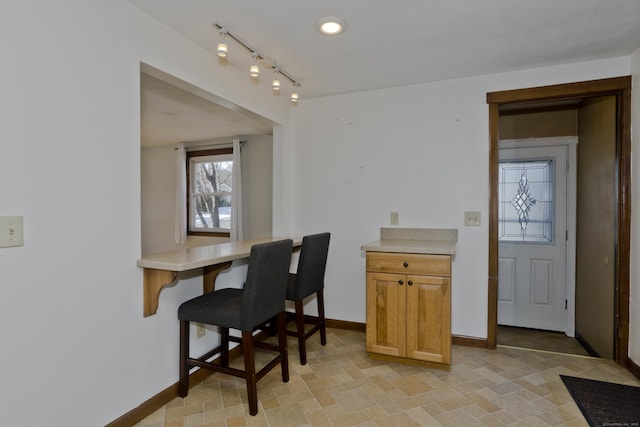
[236, 196]
[180, 228]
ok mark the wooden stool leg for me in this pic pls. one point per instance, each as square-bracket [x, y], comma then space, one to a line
[323, 331]
[183, 386]
[302, 348]
[282, 345]
[224, 343]
[250, 371]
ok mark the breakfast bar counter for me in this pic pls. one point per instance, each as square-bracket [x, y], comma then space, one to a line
[162, 269]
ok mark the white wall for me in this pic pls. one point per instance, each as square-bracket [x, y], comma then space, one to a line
[157, 198]
[421, 151]
[634, 306]
[257, 191]
[76, 350]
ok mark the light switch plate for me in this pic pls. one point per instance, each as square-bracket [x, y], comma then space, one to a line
[11, 231]
[472, 218]
[394, 218]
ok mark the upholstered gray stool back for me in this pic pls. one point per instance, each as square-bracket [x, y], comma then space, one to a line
[266, 285]
[309, 278]
[261, 298]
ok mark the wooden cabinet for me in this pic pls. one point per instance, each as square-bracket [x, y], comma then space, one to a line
[409, 307]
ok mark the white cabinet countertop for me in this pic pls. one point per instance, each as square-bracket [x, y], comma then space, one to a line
[441, 241]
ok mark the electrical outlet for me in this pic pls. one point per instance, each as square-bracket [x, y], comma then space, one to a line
[394, 218]
[472, 218]
[200, 330]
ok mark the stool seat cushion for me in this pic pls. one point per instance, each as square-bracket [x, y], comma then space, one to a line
[222, 308]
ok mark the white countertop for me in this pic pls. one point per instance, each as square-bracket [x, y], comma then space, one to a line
[415, 240]
[202, 256]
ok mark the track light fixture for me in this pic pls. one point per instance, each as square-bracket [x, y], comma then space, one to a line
[275, 84]
[258, 59]
[254, 70]
[222, 46]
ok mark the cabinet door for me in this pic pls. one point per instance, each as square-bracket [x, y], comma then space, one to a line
[429, 318]
[386, 313]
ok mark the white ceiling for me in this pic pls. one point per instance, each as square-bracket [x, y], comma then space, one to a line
[173, 111]
[402, 42]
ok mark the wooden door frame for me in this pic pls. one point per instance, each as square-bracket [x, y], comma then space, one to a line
[621, 88]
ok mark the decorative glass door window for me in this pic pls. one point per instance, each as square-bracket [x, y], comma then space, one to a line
[525, 199]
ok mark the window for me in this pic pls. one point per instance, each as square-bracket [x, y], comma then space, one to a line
[209, 186]
[525, 199]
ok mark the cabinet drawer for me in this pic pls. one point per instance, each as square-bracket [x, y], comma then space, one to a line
[388, 262]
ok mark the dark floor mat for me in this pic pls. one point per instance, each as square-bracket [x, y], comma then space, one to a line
[605, 404]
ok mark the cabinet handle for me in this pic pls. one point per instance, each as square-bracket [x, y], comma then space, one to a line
[410, 282]
[406, 264]
[401, 282]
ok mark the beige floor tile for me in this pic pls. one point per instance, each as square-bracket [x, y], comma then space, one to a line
[342, 386]
[289, 415]
[157, 418]
[318, 418]
[350, 419]
[491, 421]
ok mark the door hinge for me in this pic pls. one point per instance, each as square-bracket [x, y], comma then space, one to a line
[566, 235]
[567, 165]
[565, 304]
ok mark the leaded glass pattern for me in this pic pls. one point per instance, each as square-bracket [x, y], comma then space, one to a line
[525, 200]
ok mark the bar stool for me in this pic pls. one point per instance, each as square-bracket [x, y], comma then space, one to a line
[309, 280]
[262, 298]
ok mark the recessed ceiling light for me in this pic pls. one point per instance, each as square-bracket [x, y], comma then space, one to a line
[331, 26]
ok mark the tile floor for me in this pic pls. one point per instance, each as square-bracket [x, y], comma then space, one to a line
[342, 386]
[539, 340]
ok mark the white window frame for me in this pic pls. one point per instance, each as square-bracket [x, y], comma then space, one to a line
[193, 157]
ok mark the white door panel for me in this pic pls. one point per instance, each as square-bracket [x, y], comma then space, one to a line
[507, 275]
[532, 243]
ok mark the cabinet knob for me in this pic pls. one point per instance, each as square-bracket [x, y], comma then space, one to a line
[401, 282]
[406, 264]
[410, 282]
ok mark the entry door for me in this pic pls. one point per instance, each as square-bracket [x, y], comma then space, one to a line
[532, 241]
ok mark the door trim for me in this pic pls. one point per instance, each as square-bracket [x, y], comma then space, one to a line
[621, 88]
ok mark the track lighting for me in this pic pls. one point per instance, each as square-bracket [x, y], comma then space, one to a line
[222, 46]
[275, 84]
[254, 71]
[258, 59]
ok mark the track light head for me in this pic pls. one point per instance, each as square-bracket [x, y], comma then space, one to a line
[275, 84]
[254, 71]
[222, 46]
